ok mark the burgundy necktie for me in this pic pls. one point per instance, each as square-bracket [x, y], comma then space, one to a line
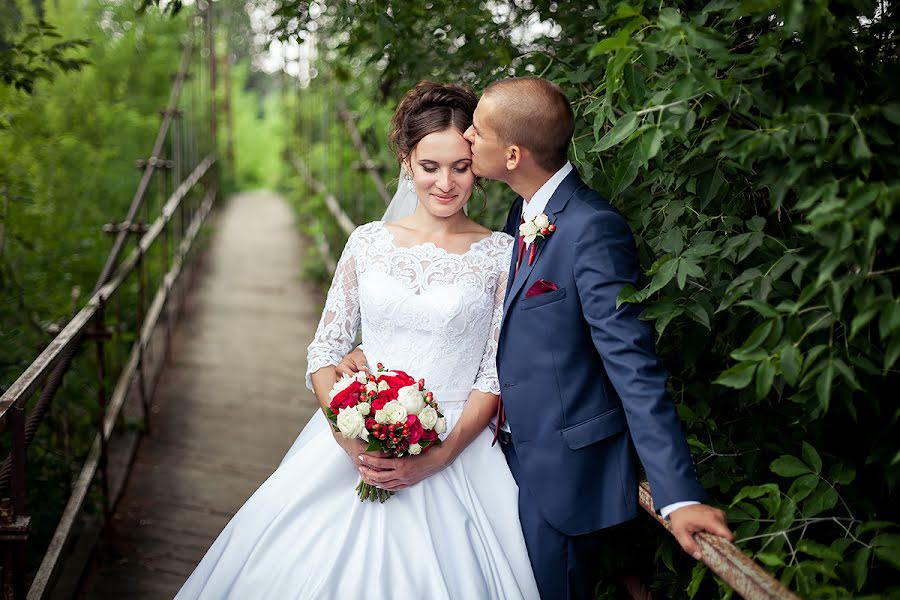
[520, 250]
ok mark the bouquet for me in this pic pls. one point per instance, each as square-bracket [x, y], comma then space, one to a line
[391, 411]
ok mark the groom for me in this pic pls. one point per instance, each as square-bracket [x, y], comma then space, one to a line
[581, 387]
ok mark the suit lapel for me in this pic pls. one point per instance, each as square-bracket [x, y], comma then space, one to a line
[555, 205]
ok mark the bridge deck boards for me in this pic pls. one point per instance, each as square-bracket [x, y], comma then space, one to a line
[228, 406]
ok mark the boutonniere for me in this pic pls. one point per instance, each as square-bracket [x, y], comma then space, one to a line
[535, 230]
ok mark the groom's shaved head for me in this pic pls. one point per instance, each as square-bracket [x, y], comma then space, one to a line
[535, 114]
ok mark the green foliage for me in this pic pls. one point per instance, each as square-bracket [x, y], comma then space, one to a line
[31, 58]
[753, 146]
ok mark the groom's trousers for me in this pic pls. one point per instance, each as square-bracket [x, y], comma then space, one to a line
[564, 566]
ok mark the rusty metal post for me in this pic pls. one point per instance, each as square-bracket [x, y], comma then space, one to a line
[13, 538]
[13, 522]
[99, 334]
[178, 172]
[140, 311]
[211, 46]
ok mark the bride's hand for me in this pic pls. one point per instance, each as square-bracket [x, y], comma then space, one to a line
[353, 363]
[353, 447]
[394, 474]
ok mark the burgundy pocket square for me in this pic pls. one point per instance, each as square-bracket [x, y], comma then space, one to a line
[541, 286]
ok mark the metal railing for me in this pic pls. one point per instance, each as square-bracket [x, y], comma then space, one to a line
[184, 206]
[741, 573]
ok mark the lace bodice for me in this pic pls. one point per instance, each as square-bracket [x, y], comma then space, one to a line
[423, 310]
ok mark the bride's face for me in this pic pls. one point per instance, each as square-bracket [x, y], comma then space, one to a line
[441, 167]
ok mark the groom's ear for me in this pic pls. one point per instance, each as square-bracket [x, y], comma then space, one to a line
[513, 157]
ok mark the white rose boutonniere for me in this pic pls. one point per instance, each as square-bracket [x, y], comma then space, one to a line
[535, 230]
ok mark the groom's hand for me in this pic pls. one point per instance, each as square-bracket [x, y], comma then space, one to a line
[693, 519]
[394, 474]
[353, 363]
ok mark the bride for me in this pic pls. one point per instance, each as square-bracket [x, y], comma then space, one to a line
[428, 291]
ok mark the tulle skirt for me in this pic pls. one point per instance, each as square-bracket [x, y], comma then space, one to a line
[305, 534]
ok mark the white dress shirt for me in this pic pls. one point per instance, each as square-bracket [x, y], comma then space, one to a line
[537, 204]
[531, 209]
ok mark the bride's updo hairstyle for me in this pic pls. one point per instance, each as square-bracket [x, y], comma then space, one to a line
[430, 108]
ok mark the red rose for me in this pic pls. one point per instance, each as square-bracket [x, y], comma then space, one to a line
[378, 403]
[370, 423]
[397, 381]
[415, 429]
[429, 435]
[347, 397]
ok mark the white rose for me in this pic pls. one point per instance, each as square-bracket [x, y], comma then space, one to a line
[352, 424]
[382, 385]
[415, 449]
[395, 412]
[528, 228]
[371, 386]
[361, 376]
[411, 398]
[441, 426]
[428, 417]
[541, 221]
[381, 417]
[339, 386]
[364, 408]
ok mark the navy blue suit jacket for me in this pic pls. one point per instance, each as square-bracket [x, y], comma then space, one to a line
[580, 381]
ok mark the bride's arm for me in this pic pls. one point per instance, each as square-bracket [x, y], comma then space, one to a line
[334, 338]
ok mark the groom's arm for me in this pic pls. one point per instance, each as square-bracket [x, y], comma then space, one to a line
[605, 260]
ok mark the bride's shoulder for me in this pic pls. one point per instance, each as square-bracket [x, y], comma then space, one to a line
[501, 240]
[366, 231]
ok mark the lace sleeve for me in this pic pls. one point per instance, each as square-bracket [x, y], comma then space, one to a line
[487, 379]
[340, 318]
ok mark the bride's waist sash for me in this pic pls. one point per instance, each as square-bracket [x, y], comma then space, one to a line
[451, 398]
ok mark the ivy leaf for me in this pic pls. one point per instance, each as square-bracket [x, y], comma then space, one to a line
[673, 241]
[859, 567]
[769, 559]
[887, 548]
[738, 377]
[791, 361]
[823, 385]
[818, 550]
[890, 319]
[696, 312]
[824, 498]
[803, 487]
[788, 466]
[811, 458]
[697, 575]
[624, 127]
[687, 267]
[663, 276]
[765, 375]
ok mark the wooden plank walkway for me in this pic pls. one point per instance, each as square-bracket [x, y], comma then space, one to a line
[229, 404]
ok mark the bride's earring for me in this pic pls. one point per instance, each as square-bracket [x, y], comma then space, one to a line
[409, 183]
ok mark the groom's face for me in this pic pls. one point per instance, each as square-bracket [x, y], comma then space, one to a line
[488, 152]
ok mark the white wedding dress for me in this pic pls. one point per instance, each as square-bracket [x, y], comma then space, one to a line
[455, 535]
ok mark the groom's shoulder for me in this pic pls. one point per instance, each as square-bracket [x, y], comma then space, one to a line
[587, 202]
